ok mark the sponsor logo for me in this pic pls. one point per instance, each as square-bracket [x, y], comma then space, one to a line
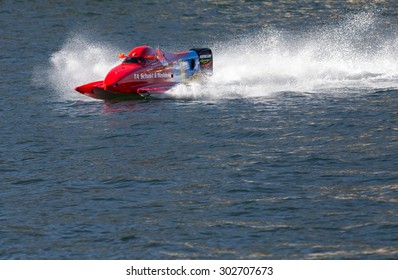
[205, 56]
[144, 76]
[202, 61]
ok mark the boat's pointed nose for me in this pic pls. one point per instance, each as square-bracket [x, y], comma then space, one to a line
[88, 88]
[79, 89]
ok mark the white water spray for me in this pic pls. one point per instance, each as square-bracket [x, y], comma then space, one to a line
[355, 56]
[78, 62]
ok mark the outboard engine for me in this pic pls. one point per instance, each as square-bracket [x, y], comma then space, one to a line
[205, 60]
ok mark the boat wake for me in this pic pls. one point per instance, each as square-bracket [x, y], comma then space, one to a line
[357, 54]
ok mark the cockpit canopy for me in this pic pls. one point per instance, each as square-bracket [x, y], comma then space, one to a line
[137, 60]
[141, 55]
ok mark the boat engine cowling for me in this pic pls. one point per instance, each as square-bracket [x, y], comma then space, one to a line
[205, 60]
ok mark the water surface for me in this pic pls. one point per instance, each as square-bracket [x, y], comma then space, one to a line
[287, 152]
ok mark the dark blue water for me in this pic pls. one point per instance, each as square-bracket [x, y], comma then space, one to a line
[288, 152]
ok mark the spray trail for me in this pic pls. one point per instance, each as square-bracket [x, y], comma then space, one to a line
[355, 55]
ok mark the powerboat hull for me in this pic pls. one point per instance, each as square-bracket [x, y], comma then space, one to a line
[149, 72]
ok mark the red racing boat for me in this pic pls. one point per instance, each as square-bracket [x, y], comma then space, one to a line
[148, 71]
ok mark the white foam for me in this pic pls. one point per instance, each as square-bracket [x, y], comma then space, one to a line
[79, 61]
[354, 55]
